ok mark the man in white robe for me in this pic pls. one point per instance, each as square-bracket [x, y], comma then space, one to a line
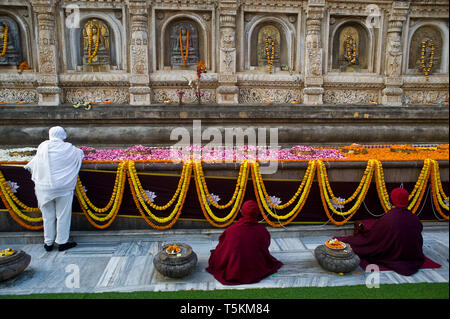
[54, 171]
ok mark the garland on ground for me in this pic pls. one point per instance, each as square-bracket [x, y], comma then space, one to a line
[430, 172]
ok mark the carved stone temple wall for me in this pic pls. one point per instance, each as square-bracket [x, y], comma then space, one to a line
[141, 52]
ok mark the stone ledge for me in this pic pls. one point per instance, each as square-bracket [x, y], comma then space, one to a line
[28, 237]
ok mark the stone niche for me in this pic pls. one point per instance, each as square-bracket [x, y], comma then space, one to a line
[97, 45]
[11, 53]
[351, 46]
[432, 39]
[14, 27]
[268, 40]
[182, 39]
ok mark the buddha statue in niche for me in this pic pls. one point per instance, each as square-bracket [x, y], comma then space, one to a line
[425, 51]
[184, 45]
[349, 50]
[96, 48]
[269, 47]
[10, 50]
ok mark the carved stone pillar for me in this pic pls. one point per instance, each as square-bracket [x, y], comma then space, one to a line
[139, 81]
[313, 78]
[47, 78]
[227, 92]
[392, 93]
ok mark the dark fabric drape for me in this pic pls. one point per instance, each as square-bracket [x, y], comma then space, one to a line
[99, 185]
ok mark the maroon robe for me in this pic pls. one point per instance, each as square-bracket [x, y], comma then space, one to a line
[242, 254]
[394, 241]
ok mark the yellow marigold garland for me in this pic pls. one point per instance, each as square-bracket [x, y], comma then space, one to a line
[5, 40]
[322, 177]
[381, 187]
[295, 211]
[140, 202]
[202, 181]
[9, 199]
[120, 178]
[430, 170]
[140, 189]
[350, 49]
[426, 70]
[93, 54]
[436, 190]
[203, 199]
[355, 193]
[422, 181]
[111, 216]
[308, 175]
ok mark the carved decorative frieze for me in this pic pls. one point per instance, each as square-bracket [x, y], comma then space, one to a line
[333, 96]
[117, 95]
[160, 95]
[257, 95]
[424, 97]
[10, 95]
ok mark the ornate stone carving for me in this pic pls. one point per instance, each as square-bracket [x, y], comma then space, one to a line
[117, 95]
[423, 97]
[14, 95]
[47, 48]
[261, 95]
[160, 95]
[332, 96]
[394, 56]
[313, 62]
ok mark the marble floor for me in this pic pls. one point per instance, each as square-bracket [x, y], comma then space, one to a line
[123, 262]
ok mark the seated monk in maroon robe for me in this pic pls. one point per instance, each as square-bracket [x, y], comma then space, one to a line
[242, 254]
[394, 241]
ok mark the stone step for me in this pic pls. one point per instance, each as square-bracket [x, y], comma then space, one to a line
[296, 231]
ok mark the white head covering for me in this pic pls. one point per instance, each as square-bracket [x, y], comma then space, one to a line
[57, 132]
[56, 164]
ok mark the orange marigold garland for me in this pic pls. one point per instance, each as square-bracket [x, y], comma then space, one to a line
[183, 55]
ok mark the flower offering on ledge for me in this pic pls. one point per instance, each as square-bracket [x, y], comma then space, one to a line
[138, 149]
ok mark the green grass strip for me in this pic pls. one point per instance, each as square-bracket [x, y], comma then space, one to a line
[385, 291]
